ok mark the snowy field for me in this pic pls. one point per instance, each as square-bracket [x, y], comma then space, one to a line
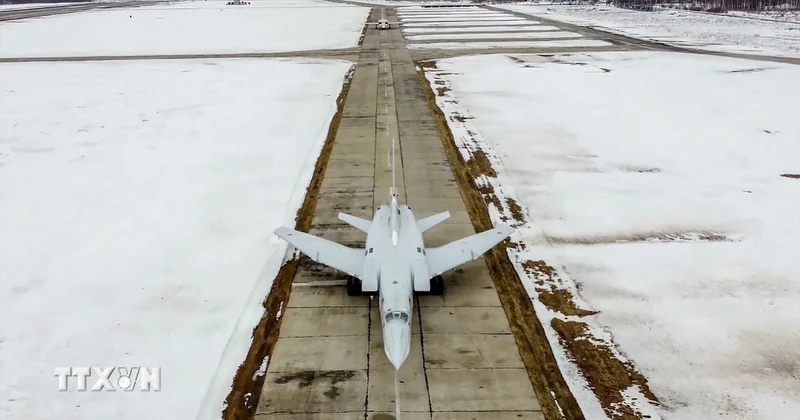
[450, 15]
[449, 19]
[511, 35]
[653, 183]
[8, 7]
[517, 22]
[778, 15]
[138, 204]
[483, 29]
[477, 45]
[683, 28]
[477, 31]
[198, 27]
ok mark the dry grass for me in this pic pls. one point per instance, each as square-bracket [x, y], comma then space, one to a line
[608, 377]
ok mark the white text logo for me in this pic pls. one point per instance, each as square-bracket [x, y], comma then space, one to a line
[114, 378]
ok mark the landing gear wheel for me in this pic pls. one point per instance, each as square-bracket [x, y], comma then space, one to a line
[353, 286]
[437, 286]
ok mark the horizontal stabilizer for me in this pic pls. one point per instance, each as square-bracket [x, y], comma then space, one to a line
[464, 250]
[431, 221]
[340, 257]
[356, 222]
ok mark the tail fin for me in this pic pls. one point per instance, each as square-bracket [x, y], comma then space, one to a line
[356, 222]
[431, 221]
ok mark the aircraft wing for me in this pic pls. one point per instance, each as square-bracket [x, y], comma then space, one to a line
[340, 257]
[425, 224]
[356, 222]
[464, 250]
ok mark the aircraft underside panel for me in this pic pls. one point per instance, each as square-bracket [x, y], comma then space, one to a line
[422, 279]
[369, 278]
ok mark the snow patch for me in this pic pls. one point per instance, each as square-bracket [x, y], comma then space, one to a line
[476, 45]
[137, 210]
[262, 368]
[704, 31]
[9, 7]
[196, 27]
[530, 35]
[707, 311]
[518, 22]
[505, 29]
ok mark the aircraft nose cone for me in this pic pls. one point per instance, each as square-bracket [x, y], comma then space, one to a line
[396, 341]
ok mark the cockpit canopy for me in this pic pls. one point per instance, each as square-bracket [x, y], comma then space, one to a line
[401, 315]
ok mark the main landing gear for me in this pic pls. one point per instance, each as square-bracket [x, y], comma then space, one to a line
[353, 286]
[437, 286]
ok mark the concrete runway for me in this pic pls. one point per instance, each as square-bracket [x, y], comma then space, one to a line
[467, 361]
[329, 361]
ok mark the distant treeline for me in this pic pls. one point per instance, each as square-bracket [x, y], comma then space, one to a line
[711, 5]
[700, 5]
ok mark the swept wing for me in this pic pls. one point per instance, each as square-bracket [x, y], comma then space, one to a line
[340, 257]
[464, 250]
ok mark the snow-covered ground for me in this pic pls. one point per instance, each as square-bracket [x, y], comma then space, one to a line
[137, 204]
[518, 22]
[412, 7]
[511, 35]
[449, 19]
[194, 27]
[451, 15]
[653, 183]
[477, 45]
[779, 15]
[482, 29]
[5, 7]
[677, 27]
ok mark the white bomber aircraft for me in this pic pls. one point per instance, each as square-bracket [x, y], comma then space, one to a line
[382, 23]
[395, 263]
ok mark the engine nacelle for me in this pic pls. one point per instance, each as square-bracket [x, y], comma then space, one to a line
[369, 277]
[419, 272]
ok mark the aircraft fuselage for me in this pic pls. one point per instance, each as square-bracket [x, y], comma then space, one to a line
[395, 253]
